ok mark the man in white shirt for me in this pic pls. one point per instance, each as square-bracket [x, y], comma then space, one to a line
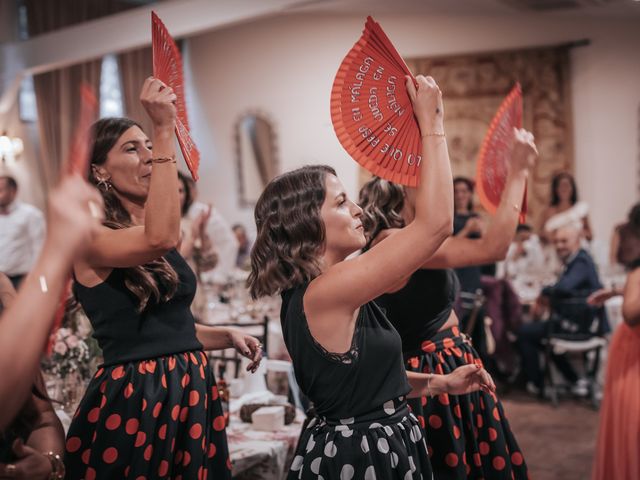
[22, 230]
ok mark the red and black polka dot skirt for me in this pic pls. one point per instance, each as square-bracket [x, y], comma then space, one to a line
[468, 436]
[151, 419]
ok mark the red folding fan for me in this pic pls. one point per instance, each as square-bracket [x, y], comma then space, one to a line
[79, 154]
[167, 66]
[495, 152]
[78, 162]
[371, 110]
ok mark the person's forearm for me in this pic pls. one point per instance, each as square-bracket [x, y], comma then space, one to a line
[631, 302]
[49, 435]
[162, 209]
[426, 384]
[25, 327]
[502, 227]
[213, 338]
[434, 196]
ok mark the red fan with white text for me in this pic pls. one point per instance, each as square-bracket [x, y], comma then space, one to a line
[495, 152]
[78, 162]
[371, 111]
[167, 66]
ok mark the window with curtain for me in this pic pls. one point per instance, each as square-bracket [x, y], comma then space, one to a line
[110, 88]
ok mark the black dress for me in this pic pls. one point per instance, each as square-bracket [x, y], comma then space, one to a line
[364, 429]
[152, 410]
[468, 436]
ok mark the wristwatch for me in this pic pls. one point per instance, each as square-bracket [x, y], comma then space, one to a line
[57, 466]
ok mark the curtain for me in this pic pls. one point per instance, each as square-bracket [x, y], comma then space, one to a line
[135, 66]
[475, 85]
[58, 102]
[57, 91]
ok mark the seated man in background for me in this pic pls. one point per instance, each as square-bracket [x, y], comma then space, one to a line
[578, 280]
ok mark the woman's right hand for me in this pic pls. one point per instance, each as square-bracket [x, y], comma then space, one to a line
[598, 297]
[75, 214]
[427, 104]
[524, 152]
[159, 100]
[467, 379]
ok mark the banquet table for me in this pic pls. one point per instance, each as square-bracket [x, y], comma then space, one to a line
[261, 455]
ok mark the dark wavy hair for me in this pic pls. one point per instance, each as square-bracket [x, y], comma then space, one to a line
[470, 185]
[290, 232]
[155, 281]
[187, 184]
[555, 199]
[634, 217]
[382, 203]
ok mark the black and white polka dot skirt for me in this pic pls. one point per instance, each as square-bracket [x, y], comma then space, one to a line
[385, 444]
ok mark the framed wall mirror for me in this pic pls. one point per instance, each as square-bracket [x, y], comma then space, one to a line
[256, 156]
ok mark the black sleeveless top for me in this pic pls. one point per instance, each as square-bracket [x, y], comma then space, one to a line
[422, 306]
[351, 384]
[126, 335]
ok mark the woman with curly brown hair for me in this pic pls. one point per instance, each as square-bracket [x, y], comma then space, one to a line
[468, 435]
[152, 409]
[347, 357]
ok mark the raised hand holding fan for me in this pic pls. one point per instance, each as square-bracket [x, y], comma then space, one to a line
[495, 152]
[371, 111]
[167, 66]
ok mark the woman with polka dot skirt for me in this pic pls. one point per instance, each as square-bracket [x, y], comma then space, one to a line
[152, 409]
[468, 435]
[346, 356]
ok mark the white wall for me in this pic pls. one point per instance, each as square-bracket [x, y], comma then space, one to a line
[285, 66]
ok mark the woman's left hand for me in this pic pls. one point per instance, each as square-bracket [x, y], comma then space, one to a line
[247, 346]
[524, 152]
[468, 379]
[30, 464]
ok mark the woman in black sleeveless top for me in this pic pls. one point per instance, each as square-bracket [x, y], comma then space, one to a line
[346, 356]
[152, 409]
[468, 435]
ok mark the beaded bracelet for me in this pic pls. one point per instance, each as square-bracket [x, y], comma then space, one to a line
[57, 466]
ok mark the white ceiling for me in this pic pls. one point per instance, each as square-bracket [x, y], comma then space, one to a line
[620, 9]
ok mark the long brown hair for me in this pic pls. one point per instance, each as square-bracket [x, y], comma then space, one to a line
[144, 281]
[382, 203]
[290, 232]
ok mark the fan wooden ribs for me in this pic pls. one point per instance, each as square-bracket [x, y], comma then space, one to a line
[167, 66]
[371, 110]
[495, 152]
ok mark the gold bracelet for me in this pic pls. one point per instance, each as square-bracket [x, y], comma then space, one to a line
[57, 466]
[433, 134]
[163, 160]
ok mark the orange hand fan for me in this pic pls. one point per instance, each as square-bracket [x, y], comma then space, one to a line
[78, 162]
[167, 66]
[371, 110]
[495, 152]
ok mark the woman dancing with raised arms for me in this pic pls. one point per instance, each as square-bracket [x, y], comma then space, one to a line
[347, 357]
[152, 410]
[468, 435]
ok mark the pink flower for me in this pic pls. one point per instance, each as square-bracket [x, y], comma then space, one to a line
[60, 348]
[72, 341]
